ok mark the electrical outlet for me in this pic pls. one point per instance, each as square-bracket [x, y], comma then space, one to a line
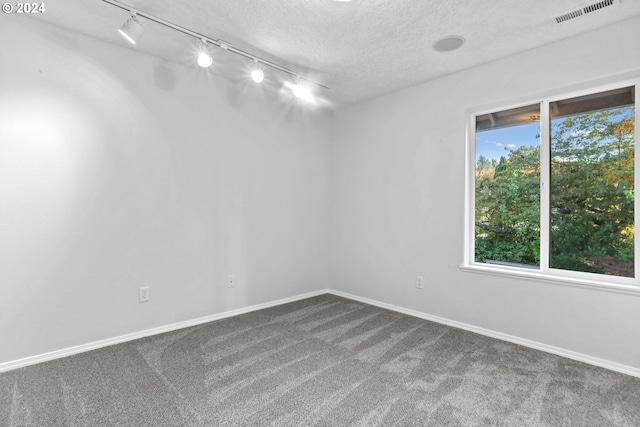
[231, 281]
[143, 294]
[419, 282]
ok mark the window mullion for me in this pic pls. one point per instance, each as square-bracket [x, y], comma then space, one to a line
[469, 253]
[545, 186]
[636, 179]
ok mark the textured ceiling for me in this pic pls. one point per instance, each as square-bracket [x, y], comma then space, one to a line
[360, 49]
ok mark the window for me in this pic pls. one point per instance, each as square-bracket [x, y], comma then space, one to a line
[551, 188]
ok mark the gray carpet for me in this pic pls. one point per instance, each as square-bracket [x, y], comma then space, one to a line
[324, 361]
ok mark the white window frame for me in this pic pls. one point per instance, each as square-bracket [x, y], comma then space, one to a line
[546, 273]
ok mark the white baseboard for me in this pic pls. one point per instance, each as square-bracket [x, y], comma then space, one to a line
[32, 360]
[57, 354]
[603, 363]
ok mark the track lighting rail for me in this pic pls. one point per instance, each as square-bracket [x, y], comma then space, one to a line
[217, 42]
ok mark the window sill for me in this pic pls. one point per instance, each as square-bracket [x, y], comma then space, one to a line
[548, 278]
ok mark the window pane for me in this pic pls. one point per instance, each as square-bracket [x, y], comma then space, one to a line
[592, 183]
[507, 187]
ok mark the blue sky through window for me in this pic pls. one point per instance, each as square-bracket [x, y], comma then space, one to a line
[494, 143]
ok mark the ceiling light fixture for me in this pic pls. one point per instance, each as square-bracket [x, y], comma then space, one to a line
[131, 29]
[204, 56]
[257, 75]
[301, 92]
[215, 42]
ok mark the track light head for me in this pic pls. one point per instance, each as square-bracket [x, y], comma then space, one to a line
[204, 56]
[131, 29]
[301, 92]
[257, 75]
[204, 59]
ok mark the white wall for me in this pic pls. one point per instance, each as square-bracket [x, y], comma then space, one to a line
[120, 170]
[397, 202]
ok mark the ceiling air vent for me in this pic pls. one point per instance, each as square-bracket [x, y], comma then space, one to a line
[597, 6]
[584, 10]
[570, 15]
